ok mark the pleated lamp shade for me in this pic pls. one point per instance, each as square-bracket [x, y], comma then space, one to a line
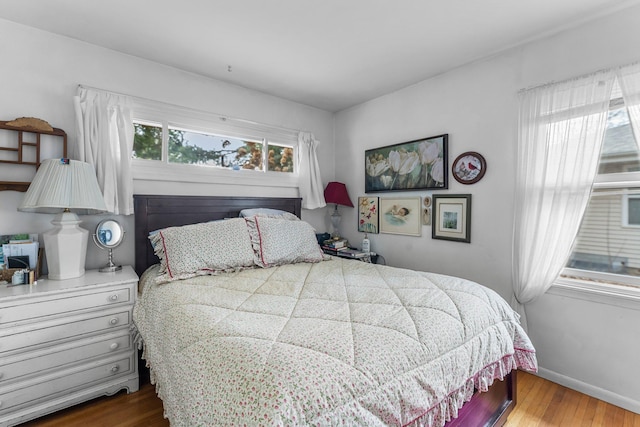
[336, 192]
[64, 184]
[66, 188]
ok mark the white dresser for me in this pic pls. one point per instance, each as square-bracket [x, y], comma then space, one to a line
[65, 341]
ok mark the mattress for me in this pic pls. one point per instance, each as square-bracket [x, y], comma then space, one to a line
[340, 342]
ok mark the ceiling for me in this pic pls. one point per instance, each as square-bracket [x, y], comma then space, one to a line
[330, 54]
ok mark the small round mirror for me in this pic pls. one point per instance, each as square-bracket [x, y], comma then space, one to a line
[109, 234]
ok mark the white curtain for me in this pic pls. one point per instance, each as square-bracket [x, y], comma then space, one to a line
[310, 181]
[629, 80]
[105, 140]
[561, 128]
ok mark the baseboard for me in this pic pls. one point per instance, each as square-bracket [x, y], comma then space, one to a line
[591, 390]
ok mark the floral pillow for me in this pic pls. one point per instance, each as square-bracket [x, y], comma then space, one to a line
[271, 213]
[204, 248]
[278, 241]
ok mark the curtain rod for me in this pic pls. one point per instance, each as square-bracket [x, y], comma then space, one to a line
[554, 82]
[195, 110]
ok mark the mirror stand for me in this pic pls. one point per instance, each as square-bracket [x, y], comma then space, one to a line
[110, 267]
[109, 235]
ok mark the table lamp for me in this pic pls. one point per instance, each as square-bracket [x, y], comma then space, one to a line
[336, 192]
[66, 188]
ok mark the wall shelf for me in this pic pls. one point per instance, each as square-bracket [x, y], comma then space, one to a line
[27, 126]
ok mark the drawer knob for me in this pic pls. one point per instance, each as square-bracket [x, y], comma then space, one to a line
[114, 297]
[115, 368]
[114, 321]
[114, 346]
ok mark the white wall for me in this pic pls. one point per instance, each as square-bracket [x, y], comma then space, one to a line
[477, 106]
[40, 73]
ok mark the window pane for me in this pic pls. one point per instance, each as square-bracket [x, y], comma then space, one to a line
[633, 210]
[619, 150]
[609, 236]
[605, 243]
[147, 141]
[213, 150]
[280, 158]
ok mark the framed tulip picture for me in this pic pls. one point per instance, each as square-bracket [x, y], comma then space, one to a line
[412, 165]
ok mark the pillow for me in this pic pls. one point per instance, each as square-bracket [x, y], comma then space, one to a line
[270, 213]
[204, 248]
[278, 241]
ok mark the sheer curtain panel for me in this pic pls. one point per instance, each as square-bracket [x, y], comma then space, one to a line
[629, 80]
[561, 128]
[310, 184]
[105, 140]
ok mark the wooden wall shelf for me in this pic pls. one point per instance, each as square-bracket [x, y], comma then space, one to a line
[46, 129]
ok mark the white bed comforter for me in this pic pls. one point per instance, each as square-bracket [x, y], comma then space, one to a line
[340, 342]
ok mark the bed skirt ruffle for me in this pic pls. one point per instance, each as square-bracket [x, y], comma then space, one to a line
[447, 409]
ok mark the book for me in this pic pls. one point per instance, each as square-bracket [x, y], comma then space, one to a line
[340, 243]
[330, 249]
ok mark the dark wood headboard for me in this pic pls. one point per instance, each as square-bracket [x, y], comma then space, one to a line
[153, 212]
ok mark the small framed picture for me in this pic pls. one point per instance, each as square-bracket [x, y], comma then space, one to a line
[401, 216]
[469, 167]
[452, 217]
[368, 215]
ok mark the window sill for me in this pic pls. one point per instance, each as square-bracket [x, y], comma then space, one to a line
[627, 296]
[156, 171]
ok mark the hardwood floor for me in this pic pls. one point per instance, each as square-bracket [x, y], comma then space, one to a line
[543, 403]
[540, 403]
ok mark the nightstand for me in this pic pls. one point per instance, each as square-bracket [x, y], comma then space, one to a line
[66, 341]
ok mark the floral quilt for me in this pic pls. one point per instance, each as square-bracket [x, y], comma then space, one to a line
[339, 342]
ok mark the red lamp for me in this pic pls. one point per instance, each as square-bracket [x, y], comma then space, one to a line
[336, 192]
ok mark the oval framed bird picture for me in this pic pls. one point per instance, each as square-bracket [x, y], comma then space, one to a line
[469, 167]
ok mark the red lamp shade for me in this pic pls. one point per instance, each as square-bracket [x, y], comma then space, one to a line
[336, 192]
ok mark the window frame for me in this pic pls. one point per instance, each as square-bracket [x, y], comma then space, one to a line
[595, 283]
[150, 112]
[625, 210]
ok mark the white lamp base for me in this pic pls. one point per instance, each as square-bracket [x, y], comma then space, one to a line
[66, 247]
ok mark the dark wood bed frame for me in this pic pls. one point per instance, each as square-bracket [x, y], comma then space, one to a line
[153, 212]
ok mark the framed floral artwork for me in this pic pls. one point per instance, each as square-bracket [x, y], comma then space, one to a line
[413, 165]
[368, 218]
[401, 216]
[452, 217]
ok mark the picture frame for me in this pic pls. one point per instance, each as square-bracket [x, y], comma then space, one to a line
[401, 216]
[469, 167]
[421, 164]
[452, 217]
[368, 215]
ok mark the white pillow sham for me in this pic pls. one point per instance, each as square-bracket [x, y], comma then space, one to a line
[268, 212]
[203, 248]
[278, 241]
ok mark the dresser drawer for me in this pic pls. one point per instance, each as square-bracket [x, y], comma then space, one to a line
[29, 392]
[44, 333]
[36, 363]
[65, 303]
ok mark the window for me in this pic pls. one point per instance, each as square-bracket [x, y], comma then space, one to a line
[199, 148]
[177, 144]
[209, 149]
[609, 237]
[147, 141]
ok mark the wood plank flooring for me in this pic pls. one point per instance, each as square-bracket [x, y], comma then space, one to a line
[541, 403]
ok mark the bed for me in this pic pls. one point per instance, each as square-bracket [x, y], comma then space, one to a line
[318, 342]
